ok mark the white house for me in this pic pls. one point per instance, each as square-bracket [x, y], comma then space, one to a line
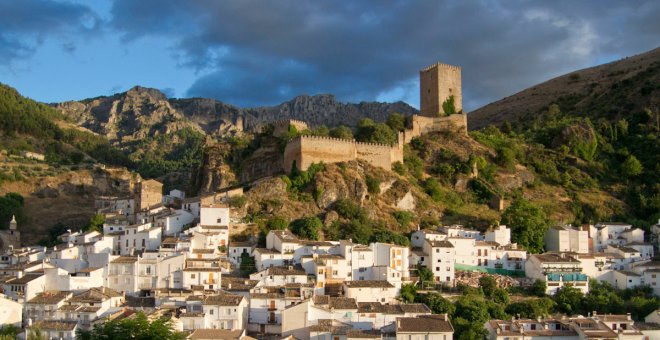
[566, 238]
[557, 270]
[370, 291]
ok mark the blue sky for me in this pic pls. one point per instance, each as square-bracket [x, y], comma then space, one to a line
[252, 53]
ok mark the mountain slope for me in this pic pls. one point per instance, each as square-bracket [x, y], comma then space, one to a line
[625, 85]
[142, 112]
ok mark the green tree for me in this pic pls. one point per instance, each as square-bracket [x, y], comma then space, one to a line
[437, 303]
[403, 217]
[506, 157]
[531, 308]
[370, 132]
[448, 106]
[247, 266]
[373, 185]
[425, 274]
[307, 227]
[408, 292]
[569, 299]
[538, 288]
[95, 223]
[138, 327]
[277, 223]
[341, 132]
[396, 121]
[501, 296]
[631, 167]
[528, 224]
[488, 285]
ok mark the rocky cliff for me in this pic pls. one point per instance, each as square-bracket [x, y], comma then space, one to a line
[141, 112]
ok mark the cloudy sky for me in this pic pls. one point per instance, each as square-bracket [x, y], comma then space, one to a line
[251, 53]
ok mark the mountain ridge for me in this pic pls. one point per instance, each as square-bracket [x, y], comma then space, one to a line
[585, 86]
[211, 116]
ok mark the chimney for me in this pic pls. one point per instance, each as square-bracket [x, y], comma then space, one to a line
[446, 317]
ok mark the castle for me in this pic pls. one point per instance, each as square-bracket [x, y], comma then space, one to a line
[438, 83]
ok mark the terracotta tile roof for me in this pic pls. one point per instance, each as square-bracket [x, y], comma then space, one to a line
[342, 303]
[286, 270]
[49, 297]
[223, 300]
[125, 259]
[237, 283]
[216, 334]
[98, 294]
[266, 251]
[27, 277]
[440, 244]
[321, 299]
[68, 308]
[363, 334]
[435, 323]
[89, 309]
[285, 236]
[614, 317]
[89, 270]
[368, 284]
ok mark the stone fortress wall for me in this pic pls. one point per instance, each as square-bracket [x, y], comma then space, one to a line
[281, 127]
[437, 83]
[303, 151]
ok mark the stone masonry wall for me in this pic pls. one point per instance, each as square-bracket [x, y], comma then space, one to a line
[281, 127]
[436, 83]
[306, 150]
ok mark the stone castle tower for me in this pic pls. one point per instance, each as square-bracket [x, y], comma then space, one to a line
[436, 84]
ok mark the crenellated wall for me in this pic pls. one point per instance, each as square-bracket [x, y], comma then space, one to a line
[420, 125]
[281, 127]
[437, 83]
[306, 150]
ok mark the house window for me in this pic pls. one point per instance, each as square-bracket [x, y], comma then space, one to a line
[219, 220]
[437, 269]
[192, 276]
[211, 311]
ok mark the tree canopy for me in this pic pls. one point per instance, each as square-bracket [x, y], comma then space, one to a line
[528, 224]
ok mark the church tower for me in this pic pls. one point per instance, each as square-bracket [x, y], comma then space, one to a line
[436, 84]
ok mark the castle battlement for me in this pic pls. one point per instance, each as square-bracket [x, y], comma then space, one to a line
[321, 138]
[376, 144]
[441, 65]
[438, 82]
[289, 122]
[281, 127]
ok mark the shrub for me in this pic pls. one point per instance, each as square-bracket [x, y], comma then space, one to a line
[237, 201]
[307, 227]
[373, 185]
[277, 223]
[403, 217]
[448, 106]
